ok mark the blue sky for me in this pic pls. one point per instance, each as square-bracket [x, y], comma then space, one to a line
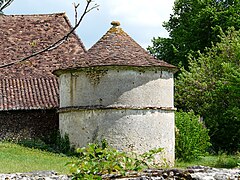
[141, 19]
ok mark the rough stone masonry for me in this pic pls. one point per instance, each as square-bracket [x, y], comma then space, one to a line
[191, 173]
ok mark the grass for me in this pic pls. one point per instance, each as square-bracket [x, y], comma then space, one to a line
[219, 161]
[15, 158]
[203, 161]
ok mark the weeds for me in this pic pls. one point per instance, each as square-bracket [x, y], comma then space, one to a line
[96, 160]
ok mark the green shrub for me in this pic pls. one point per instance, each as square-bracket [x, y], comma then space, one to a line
[192, 139]
[227, 161]
[96, 160]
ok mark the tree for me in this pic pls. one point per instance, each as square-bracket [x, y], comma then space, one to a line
[4, 4]
[193, 26]
[211, 88]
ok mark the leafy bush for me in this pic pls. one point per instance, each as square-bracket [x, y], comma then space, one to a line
[96, 160]
[192, 138]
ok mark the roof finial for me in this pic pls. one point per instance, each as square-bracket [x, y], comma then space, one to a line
[115, 23]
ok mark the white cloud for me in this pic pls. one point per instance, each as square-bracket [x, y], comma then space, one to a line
[142, 12]
[141, 19]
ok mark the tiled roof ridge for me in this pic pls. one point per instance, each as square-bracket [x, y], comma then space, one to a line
[50, 14]
[79, 40]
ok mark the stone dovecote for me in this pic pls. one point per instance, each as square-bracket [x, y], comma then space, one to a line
[119, 93]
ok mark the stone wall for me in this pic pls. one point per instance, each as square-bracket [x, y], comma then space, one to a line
[124, 129]
[20, 124]
[117, 88]
[191, 173]
[132, 109]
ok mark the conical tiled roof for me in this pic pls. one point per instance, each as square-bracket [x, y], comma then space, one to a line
[117, 48]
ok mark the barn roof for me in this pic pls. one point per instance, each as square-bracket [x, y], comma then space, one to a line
[31, 84]
[29, 93]
[22, 35]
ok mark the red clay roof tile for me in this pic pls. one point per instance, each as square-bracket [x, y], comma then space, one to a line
[28, 93]
[21, 35]
[31, 84]
[116, 47]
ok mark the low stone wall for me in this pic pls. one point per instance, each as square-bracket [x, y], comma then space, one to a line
[191, 173]
[195, 173]
[22, 124]
[38, 175]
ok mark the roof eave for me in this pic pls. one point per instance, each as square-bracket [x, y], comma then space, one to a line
[58, 72]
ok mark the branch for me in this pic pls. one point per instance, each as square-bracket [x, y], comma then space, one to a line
[60, 41]
[76, 13]
[5, 5]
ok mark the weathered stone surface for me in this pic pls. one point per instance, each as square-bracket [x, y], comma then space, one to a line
[125, 130]
[117, 88]
[192, 173]
[38, 175]
[132, 108]
[206, 173]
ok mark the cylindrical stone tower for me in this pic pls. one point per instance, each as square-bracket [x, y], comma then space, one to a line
[121, 94]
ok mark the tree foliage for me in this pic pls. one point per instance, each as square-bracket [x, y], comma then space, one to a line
[211, 88]
[193, 26]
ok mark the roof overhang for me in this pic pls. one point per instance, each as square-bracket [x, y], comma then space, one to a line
[115, 67]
